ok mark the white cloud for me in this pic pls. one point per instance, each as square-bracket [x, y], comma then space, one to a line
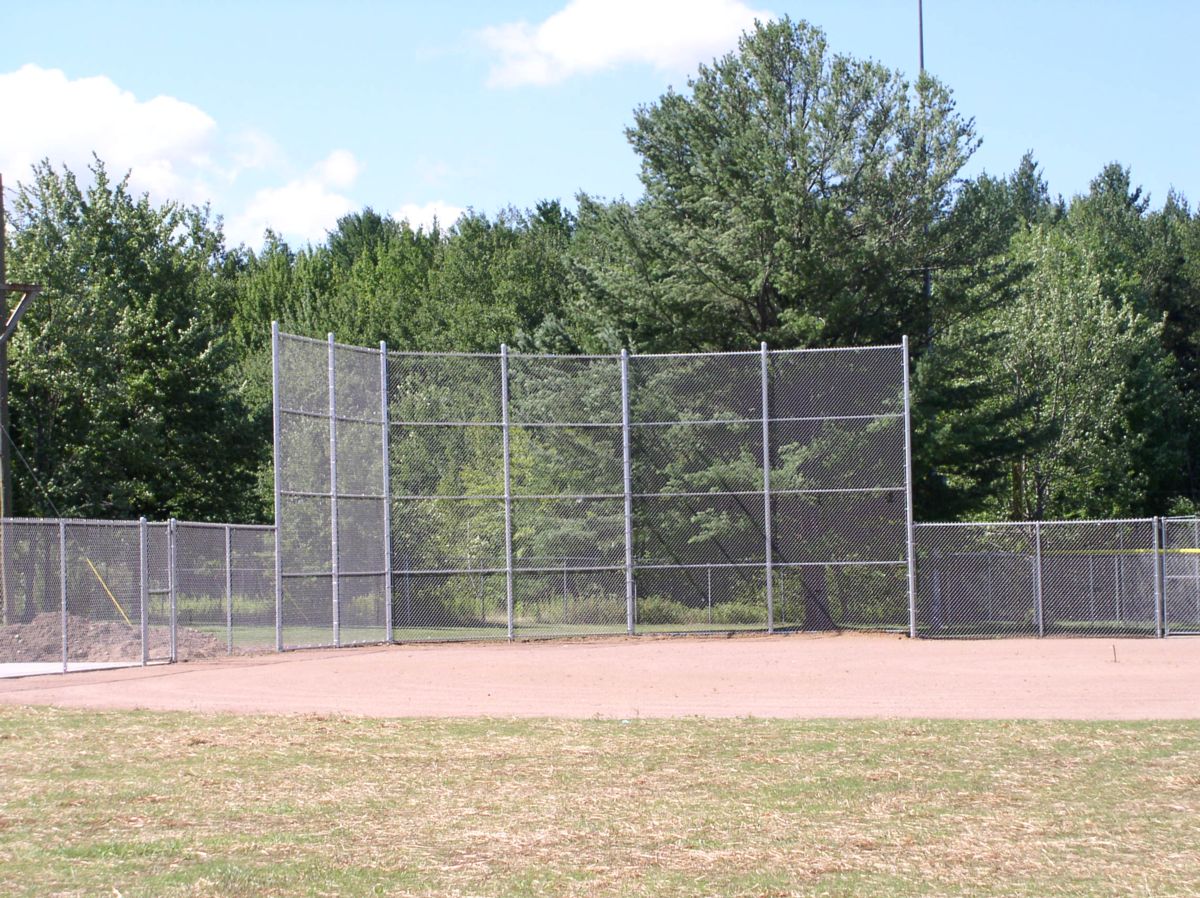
[165, 143]
[422, 216]
[592, 35]
[303, 209]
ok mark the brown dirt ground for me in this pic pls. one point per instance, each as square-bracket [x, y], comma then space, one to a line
[798, 676]
[89, 640]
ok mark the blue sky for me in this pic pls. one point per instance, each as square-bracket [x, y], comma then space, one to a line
[289, 114]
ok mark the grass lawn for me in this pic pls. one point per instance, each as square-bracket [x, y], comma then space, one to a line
[152, 804]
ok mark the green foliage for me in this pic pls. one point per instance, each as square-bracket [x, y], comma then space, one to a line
[122, 389]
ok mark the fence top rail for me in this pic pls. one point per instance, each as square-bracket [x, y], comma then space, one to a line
[588, 357]
[1082, 522]
[99, 522]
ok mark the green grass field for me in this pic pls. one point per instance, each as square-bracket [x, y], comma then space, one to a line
[151, 804]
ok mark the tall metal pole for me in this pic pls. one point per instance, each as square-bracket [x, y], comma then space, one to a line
[508, 552]
[627, 461]
[5, 448]
[766, 481]
[921, 35]
[335, 588]
[386, 448]
[909, 531]
[275, 402]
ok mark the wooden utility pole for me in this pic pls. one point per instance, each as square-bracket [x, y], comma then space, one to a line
[28, 293]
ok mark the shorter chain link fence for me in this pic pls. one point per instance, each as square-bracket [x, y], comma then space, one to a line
[1058, 578]
[79, 594]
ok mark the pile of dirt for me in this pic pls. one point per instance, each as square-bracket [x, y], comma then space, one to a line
[89, 640]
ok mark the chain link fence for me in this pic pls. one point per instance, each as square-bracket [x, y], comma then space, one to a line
[459, 496]
[80, 594]
[1054, 578]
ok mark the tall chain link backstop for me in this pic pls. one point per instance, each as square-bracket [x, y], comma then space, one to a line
[450, 496]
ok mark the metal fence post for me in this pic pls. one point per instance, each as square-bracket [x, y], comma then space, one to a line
[275, 412]
[508, 553]
[335, 587]
[228, 589]
[385, 419]
[62, 586]
[1159, 564]
[172, 587]
[144, 590]
[627, 462]
[766, 481]
[909, 530]
[1039, 608]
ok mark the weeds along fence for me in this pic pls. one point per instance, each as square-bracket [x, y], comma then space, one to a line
[453, 496]
[1059, 578]
[83, 593]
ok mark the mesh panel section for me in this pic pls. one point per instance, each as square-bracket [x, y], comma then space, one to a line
[104, 594]
[447, 461]
[32, 601]
[304, 386]
[448, 534]
[829, 383]
[568, 533]
[252, 573]
[449, 606]
[431, 388]
[307, 618]
[1181, 575]
[695, 388]
[837, 454]
[202, 602]
[705, 529]
[357, 391]
[697, 457]
[569, 603]
[566, 461]
[833, 596]
[702, 598]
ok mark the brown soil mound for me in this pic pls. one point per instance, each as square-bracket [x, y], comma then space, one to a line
[88, 640]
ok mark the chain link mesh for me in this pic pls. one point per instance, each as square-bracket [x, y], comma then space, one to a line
[635, 492]
[1068, 578]
[83, 593]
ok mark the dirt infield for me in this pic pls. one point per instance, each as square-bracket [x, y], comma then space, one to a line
[784, 676]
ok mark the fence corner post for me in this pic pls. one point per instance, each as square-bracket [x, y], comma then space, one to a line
[386, 449]
[505, 427]
[627, 476]
[276, 424]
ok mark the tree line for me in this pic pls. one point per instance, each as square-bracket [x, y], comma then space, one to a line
[792, 194]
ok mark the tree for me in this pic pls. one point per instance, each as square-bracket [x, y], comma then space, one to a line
[792, 195]
[122, 398]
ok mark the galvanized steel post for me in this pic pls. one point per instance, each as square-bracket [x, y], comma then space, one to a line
[508, 552]
[1039, 607]
[909, 530]
[229, 589]
[386, 447]
[1159, 564]
[335, 587]
[62, 586]
[766, 481]
[172, 588]
[144, 590]
[627, 464]
[275, 412]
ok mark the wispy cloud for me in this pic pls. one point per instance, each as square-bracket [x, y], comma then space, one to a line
[593, 35]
